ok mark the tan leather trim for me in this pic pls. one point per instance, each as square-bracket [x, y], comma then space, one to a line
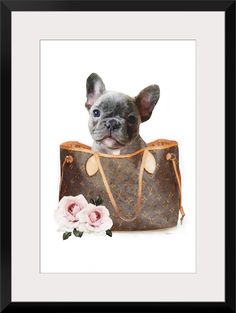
[154, 145]
[161, 142]
[110, 195]
[171, 157]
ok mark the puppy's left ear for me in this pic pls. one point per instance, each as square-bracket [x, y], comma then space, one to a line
[146, 101]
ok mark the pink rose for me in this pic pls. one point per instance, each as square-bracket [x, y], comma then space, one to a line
[66, 213]
[94, 219]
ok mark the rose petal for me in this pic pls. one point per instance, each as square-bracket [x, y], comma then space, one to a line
[104, 210]
[81, 201]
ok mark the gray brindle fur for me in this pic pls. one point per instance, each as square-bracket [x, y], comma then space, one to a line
[114, 118]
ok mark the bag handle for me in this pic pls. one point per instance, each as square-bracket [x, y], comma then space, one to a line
[172, 158]
[108, 189]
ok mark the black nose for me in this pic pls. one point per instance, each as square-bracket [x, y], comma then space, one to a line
[112, 124]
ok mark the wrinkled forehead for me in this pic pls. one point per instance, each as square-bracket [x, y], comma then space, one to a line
[111, 101]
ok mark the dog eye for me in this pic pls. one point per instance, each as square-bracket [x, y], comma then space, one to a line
[131, 119]
[96, 113]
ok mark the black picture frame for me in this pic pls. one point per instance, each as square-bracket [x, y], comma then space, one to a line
[7, 7]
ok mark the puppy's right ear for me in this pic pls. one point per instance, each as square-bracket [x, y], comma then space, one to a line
[95, 88]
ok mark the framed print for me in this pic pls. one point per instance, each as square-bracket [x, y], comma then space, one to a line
[125, 165]
[117, 175]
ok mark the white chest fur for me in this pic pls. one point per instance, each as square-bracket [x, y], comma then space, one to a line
[116, 152]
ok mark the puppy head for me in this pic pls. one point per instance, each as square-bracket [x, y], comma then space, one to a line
[114, 117]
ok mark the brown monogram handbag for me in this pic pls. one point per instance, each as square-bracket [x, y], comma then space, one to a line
[141, 190]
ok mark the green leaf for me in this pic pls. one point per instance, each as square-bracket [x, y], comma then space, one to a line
[66, 235]
[109, 233]
[98, 200]
[92, 201]
[77, 233]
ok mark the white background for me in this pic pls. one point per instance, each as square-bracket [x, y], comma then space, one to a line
[126, 66]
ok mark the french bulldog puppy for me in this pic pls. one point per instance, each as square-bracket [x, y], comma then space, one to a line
[114, 118]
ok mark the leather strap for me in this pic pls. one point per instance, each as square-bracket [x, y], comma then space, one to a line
[172, 158]
[108, 189]
[68, 159]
